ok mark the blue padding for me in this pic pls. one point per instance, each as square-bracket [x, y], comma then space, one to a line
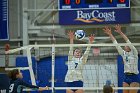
[60, 70]
[44, 72]
[4, 83]
[120, 72]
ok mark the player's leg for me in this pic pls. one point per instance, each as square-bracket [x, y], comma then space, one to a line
[127, 81]
[134, 84]
[79, 84]
[125, 85]
[70, 84]
[69, 91]
[79, 91]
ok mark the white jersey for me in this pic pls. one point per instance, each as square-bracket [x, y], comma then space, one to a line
[75, 66]
[130, 62]
[130, 59]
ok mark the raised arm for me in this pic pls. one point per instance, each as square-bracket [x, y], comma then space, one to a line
[85, 56]
[118, 30]
[71, 37]
[107, 30]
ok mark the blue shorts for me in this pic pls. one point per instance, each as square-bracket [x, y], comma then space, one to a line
[75, 84]
[129, 78]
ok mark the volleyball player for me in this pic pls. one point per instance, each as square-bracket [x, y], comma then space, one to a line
[17, 84]
[76, 62]
[130, 60]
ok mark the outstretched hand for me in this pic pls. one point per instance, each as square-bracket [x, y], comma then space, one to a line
[107, 30]
[118, 28]
[91, 38]
[71, 35]
[46, 88]
[43, 88]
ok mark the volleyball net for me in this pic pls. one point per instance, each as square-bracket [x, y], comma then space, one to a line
[100, 69]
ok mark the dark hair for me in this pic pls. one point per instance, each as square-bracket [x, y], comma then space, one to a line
[107, 89]
[77, 49]
[12, 74]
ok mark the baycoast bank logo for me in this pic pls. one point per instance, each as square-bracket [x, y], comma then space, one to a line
[95, 16]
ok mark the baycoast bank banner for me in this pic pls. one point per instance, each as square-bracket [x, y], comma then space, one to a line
[4, 35]
[94, 16]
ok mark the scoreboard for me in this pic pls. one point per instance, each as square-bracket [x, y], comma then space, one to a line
[4, 24]
[77, 12]
[71, 4]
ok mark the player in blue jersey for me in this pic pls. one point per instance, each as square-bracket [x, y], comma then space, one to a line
[130, 60]
[17, 84]
[76, 63]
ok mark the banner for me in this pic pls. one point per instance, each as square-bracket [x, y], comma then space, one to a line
[4, 34]
[94, 16]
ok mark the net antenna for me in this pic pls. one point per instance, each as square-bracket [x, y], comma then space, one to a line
[53, 49]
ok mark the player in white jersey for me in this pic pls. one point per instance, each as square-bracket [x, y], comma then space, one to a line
[76, 62]
[130, 60]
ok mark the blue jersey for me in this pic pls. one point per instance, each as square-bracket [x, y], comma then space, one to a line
[16, 86]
